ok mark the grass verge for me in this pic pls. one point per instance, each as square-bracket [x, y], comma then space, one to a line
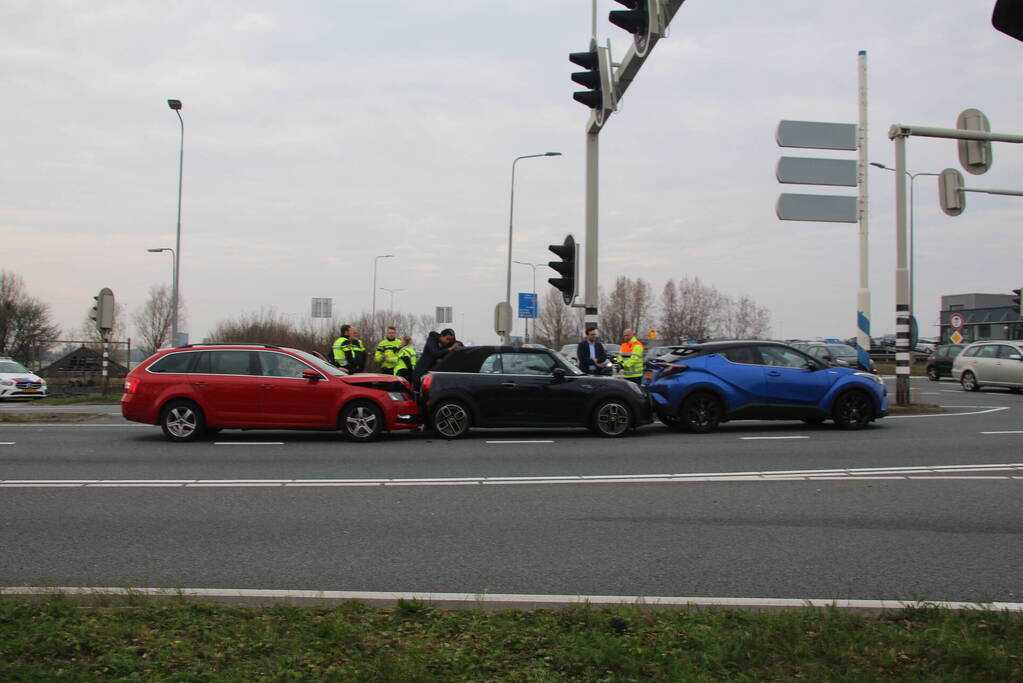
[180, 639]
[91, 399]
[46, 418]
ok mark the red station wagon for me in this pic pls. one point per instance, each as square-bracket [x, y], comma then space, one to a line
[203, 388]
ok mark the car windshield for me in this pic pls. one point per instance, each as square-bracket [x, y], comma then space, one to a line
[12, 366]
[319, 363]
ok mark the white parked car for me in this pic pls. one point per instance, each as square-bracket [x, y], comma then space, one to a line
[17, 381]
[994, 363]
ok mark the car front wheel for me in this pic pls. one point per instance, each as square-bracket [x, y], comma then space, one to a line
[612, 418]
[182, 421]
[451, 419]
[701, 413]
[361, 421]
[853, 410]
[969, 381]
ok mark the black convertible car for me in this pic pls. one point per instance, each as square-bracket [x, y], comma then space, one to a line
[505, 386]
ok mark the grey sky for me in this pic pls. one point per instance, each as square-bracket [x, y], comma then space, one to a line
[321, 134]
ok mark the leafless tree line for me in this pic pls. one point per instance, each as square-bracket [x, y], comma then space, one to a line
[26, 327]
[686, 309]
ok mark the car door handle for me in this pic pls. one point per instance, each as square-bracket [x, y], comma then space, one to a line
[773, 373]
[510, 385]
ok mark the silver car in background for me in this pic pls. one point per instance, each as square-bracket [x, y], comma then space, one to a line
[994, 363]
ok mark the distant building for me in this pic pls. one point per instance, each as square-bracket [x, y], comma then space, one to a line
[984, 316]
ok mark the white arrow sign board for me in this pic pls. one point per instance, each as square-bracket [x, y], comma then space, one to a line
[816, 135]
[816, 207]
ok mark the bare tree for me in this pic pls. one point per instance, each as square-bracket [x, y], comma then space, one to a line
[702, 309]
[154, 320]
[671, 329]
[26, 330]
[747, 320]
[557, 323]
[630, 304]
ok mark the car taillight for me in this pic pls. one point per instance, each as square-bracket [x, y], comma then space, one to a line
[425, 385]
[670, 370]
[130, 384]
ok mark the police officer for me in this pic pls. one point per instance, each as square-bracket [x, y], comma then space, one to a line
[406, 359]
[354, 352]
[337, 349]
[386, 355]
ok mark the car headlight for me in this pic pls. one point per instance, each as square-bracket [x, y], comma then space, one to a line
[397, 396]
[6, 383]
[869, 376]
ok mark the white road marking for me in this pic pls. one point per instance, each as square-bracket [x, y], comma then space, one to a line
[509, 600]
[1009, 432]
[538, 441]
[769, 438]
[7, 443]
[897, 473]
[248, 443]
[978, 412]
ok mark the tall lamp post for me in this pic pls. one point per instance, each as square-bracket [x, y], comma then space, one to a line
[176, 106]
[912, 271]
[392, 291]
[533, 266]
[511, 219]
[373, 317]
[174, 301]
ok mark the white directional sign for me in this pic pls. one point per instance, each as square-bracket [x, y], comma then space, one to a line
[816, 135]
[816, 207]
[809, 171]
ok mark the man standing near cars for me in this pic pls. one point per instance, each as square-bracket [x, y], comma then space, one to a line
[354, 351]
[630, 357]
[337, 349]
[591, 353]
[386, 355]
[438, 344]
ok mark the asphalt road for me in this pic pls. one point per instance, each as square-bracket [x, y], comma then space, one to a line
[915, 507]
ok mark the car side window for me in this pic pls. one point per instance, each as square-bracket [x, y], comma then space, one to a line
[173, 362]
[492, 365]
[281, 365]
[744, 355]
[230, 362]
[971, 352]
[527, 363]
[777, 356]
[988, 351]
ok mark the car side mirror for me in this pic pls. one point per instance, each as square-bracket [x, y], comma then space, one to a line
[558, 374]
[312, 375]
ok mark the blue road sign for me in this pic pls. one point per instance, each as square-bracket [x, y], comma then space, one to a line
[527, 305]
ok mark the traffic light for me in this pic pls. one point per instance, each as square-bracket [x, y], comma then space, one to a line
[102, 313]
[641, 20]
[593, 78]
[1007, 17]
[974, 155]
[950, 192]
[1016, 300]
[567, 268]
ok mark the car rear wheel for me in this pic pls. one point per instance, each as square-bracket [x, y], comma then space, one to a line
[182, 421]
[361, 421]
[451, 419]
[932, 374]
[701, 413]
[969, 381]
[853, 410]
[612, 418]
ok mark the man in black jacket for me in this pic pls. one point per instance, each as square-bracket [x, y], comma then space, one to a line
[590, 353]
[438, 344]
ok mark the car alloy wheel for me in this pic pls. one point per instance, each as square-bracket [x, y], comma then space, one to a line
[451, 419]
[969, 382]
[361, 421]
[701, 413]
[853, 410]
[182, 421]
[932, 374]
[612, 418]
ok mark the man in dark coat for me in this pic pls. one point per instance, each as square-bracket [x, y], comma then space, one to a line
[438, 344]
[590, 353]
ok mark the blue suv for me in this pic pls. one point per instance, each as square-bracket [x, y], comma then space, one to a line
[699, 386]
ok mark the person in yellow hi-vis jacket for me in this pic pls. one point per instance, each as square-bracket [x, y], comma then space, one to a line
[406, 363]
[337, 349]
[386, 355]
[630, 357]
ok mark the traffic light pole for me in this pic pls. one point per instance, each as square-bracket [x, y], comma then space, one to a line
[590, 302]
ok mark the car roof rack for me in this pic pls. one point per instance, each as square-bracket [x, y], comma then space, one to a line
[259, 344]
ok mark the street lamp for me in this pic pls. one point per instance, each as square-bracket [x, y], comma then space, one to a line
[533, 266]
[511, 216]
[912, 272]
[176, 106]
[392, 291]
[373, 317]
[174, 256]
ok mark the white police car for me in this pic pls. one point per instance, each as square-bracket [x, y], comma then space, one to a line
[17, 381]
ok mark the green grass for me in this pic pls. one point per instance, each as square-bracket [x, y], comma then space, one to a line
[128, 639]
[92, 399]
